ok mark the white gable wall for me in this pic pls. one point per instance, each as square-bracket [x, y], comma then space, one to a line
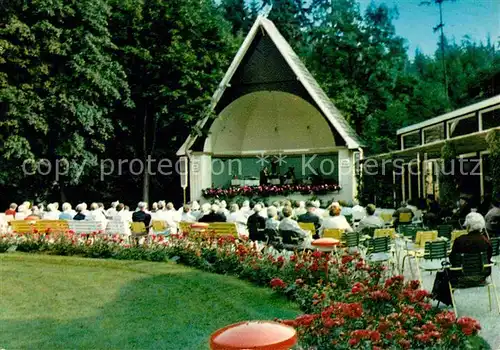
[270, 121]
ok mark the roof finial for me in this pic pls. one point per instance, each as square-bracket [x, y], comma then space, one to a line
[266, 10]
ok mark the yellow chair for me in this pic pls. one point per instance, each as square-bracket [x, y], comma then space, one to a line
[387, 218]
[384, 232]
[405, 218]
[425, 236]
[457, 233]
[333, 233]
[22, 226]
[159, 226]
[308, 226]
[138, 230]
[184, 227]
[55, 226]
[223, 229]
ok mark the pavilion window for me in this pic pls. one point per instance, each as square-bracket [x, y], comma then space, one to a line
[434, 133]
[463, 126]
[491, 119]
[411, 140]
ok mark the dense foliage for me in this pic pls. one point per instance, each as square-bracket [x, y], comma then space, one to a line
[82, 81]
[348, 302]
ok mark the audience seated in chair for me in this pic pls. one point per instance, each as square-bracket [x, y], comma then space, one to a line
[141, 216]
[335, 220]
[214, 215]
[404, 209]
[256, 224]
[79, 212]
[290, 225]
[311, 217]
[370, 220]
[272, 222]
[236, 216]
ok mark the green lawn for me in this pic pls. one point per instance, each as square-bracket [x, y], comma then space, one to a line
[51, 302]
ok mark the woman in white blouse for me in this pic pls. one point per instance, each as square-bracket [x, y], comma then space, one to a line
[335, 220]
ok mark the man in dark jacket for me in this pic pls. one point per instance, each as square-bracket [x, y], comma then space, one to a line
[311, 217]
[141, 215]
[214, 216]
[256, 224]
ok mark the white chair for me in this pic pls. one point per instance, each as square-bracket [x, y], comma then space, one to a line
[86, 226]
[118, 227]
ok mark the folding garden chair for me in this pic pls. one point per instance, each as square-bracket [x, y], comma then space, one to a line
[290, 239]
[384, 232]
[308, 226]
[495, 245]
[160, 227]
[435, 253]
[413, 249]
[138, 230]
[471, 270]
[457, 233]
[352, 241]
[379, 251]
[387, 218]
[445, 231]
[333, 233]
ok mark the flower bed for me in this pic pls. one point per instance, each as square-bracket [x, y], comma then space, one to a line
[269, 190]
[347, 303]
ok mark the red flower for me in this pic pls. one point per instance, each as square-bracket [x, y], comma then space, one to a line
[380, 295]
[375, 336]
[405, 344]
[468, 325]
[305, 320]
[278, 283]
[353, 341]
[357, 288]
[347, 259]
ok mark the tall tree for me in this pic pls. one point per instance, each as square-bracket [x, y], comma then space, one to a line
[58, 84]
[175, 53]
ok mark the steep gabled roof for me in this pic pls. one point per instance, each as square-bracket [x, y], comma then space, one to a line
[325, 105]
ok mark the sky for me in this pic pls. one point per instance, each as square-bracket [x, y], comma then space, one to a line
[476, 18]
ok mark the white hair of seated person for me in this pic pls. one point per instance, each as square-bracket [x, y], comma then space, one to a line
[195, 205]
[257, 208]
[317, 203]
[66, 206]
[162, 205]
[205, 208]
[114, 204]
[170, 206]
[154, 206]
[335, 204]
[475, 222]
[272, 211]
[55, 206]
[21, 208]
[223, 204]
[302, 204]
[246, 204]
[142, 205]
[94, 206]
[233, 208]
[215, 208]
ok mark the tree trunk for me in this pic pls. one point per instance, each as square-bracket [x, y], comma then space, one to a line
[145, 178]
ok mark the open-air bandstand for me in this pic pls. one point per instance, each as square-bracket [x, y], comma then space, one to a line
[270, 113]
